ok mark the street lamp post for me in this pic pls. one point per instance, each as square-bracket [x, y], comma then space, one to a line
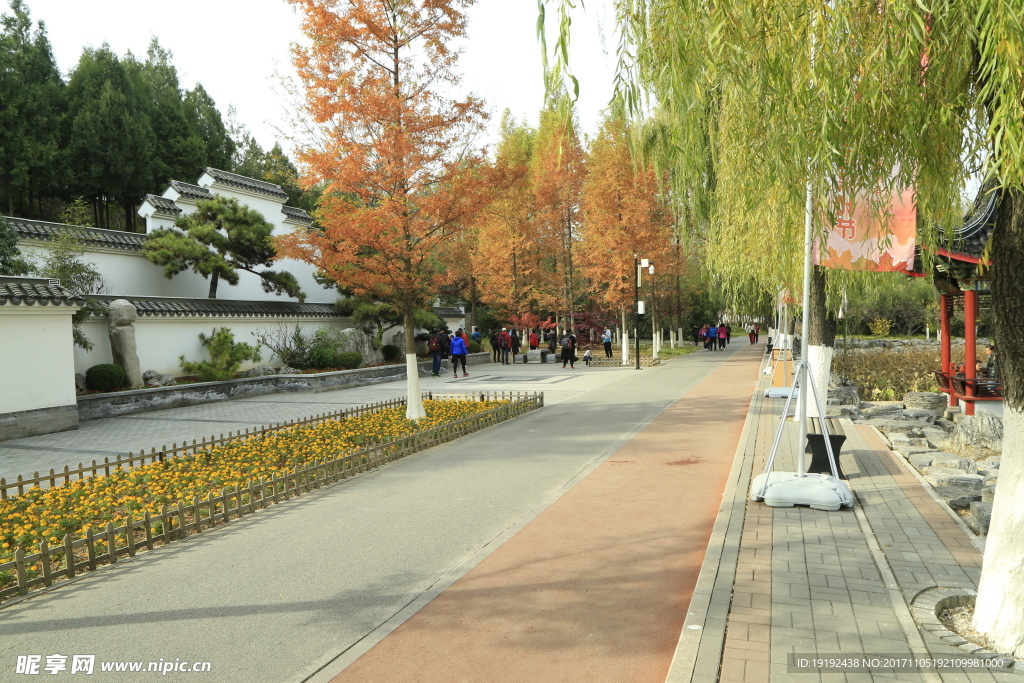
[638, 306]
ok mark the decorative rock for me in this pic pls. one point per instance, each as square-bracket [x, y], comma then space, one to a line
[258, 371]
[978, 436]
[122, 314]
[958, 497]
[918, 414]
[353, 339]
[921, 460]
[980, 517]
[948, 476]
[890, 427]
[288, 371]
[988, 494]
[886, 410]
[80, 387]
[933, 402]
[152, 378]
[844, 396]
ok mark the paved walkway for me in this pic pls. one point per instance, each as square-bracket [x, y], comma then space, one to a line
[607, 537]
[287, 593]
[795, 580]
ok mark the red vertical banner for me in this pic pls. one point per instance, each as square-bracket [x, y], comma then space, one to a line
[866, 238]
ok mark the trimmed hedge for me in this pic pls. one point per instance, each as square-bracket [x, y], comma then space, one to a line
[104, 377]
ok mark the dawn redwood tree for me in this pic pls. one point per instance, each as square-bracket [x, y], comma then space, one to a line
[218, 239]
[399, 176]
[624, 215]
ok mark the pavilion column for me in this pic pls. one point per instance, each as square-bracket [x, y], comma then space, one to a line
[970, 342]
[945, 308]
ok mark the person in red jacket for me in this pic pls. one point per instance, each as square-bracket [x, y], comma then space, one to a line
[534, 340]
[722, 334]
[505, 344]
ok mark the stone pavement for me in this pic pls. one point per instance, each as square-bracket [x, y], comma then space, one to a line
[795, 580]
[283, 594]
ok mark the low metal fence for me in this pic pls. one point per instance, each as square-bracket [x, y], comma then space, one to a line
[175, 522]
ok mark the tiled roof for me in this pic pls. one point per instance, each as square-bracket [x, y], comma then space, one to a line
[163, 204]
[971, 237]
[189, 191]
[297, 214]
[250, 184]
[448, 312]
[35, 290]
[42, 230]
[170, 306]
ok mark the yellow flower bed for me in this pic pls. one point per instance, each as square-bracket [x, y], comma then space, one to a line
[91, 503]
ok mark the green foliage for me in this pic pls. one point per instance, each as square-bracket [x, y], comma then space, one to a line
[880, 326]
[391, 353]
[104, 377]
[375, 317]
[63, 261]
[474, 347]
[33, 100]
[11, 262]
[292, 346]
[322, 357]
[78, 212]
[226, 356]
[349, 360]
[220, 238]
[888, 374]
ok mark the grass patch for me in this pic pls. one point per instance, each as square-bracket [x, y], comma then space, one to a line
[888, 374]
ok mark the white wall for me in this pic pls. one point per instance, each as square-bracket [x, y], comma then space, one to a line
[129, 274]
[38, 370]
[160, 340]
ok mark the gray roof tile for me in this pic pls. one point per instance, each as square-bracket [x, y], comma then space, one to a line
[250, 184]
[297, 214]
[189, 191]
[163, 204]
[448, 312]
[157, 306]
[31, 291]
[42, 230]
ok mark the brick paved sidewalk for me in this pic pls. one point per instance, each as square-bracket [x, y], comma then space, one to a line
[777, 581]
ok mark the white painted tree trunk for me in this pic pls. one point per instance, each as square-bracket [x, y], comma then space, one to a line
[819, 359]
[999, 610]
[414, 400]
[625, 347]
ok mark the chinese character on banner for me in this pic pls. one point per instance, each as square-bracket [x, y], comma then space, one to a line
[55, 663]
[27, 664]
[82, 663]
[871, 238]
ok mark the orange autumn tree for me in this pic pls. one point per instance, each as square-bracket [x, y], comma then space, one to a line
[625, 215]
[506, 258]
[559, 170]
[398, 175]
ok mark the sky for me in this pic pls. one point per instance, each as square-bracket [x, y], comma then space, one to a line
[238, 48]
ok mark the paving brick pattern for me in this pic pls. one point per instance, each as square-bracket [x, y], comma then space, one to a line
[806, 581]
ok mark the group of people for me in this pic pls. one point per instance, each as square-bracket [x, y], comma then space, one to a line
[441, 346]
[714, 337]
[988, 370]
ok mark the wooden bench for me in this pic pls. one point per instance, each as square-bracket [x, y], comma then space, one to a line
[942, 379]
[977, 388]
[816, 445]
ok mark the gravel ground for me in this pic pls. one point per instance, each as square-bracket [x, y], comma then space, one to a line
[958, 620]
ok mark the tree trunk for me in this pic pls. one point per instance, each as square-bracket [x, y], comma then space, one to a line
[472, 302]
[999, 611]
[821, 341]
[414, 401]
[624, 338]
[214, 278]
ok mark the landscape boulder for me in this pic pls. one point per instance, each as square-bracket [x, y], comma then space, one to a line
[932, 401]
[258, 371]
[980, 517]
[950, 476]
[353, 339]
[80, 387]
[958, 497]
[121, 314]
[154, 379]
[977, 436]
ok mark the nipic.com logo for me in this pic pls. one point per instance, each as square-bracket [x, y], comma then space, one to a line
[32, 665]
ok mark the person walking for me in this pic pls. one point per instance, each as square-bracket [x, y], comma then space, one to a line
[606, 339]
[459, 350]
[534, 340]
[728, 334]
[711, 340]
[476, 336]
[568, 344]
[516, 344]
[504, 343]
[757, 332]
[695, 333]
[435, 348]
[495, 347]
[550, 337]
[723, 336]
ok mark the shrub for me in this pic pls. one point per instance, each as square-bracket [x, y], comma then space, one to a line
[322, 357]
[104, 377]
[880, 327]
[474, 347]
[391, 352]
[226, 356]
[422, 337]
[349, 360]
[888, 374]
